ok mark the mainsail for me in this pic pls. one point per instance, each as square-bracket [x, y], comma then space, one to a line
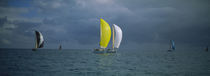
[39, 40]
[118, 36]
[105, 33]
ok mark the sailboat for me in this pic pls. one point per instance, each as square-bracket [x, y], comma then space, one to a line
[105, 35]
[116, 38]
[39, 41]
[172, 46]
[60, 47]
[207, 49]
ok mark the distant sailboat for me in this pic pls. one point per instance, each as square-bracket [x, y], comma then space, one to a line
[116, 38]
[105, 35]
[39, 40]
[172, 45]
[60, 47]
[207, 49]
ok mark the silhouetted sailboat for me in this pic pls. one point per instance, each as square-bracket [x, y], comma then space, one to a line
[60, 47]
[172, 45]
[116, 38]
[39, 40]
[207, 49]
[105, 35]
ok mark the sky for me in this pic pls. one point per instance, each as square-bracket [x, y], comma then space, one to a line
[148, 24]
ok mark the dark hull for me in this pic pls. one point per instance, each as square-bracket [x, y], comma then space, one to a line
[34, 49]
[170, 50]
[99, 51]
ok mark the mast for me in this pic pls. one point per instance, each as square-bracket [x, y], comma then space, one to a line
[100, 34]
[36, 46]
[170, 45]
[113, 37]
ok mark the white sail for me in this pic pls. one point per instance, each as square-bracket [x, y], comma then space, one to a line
[118, 36]
[39, 40]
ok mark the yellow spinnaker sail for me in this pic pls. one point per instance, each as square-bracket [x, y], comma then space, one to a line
[105, 34]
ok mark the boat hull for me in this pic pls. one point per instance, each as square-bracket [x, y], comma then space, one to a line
[169, 50]
[99, 51]
[33, 49]
[111, 51]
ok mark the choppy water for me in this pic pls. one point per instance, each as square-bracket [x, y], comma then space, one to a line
[19, 62]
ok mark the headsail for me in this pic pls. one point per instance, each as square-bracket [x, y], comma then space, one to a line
[60, 47]
[172, 45]
[105, 33]
[118, 36]
[39, 40]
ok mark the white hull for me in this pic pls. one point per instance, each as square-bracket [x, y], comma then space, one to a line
[111, 51]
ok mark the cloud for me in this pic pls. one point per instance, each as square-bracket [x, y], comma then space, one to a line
[11, 11]
[16, 33]
[76, 22]
[5, 41]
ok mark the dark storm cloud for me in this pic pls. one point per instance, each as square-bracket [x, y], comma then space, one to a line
[160, 21]
[15, 32]
[75, 23]
[4, 3]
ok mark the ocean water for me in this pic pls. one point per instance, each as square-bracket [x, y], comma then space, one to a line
[79, 62]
